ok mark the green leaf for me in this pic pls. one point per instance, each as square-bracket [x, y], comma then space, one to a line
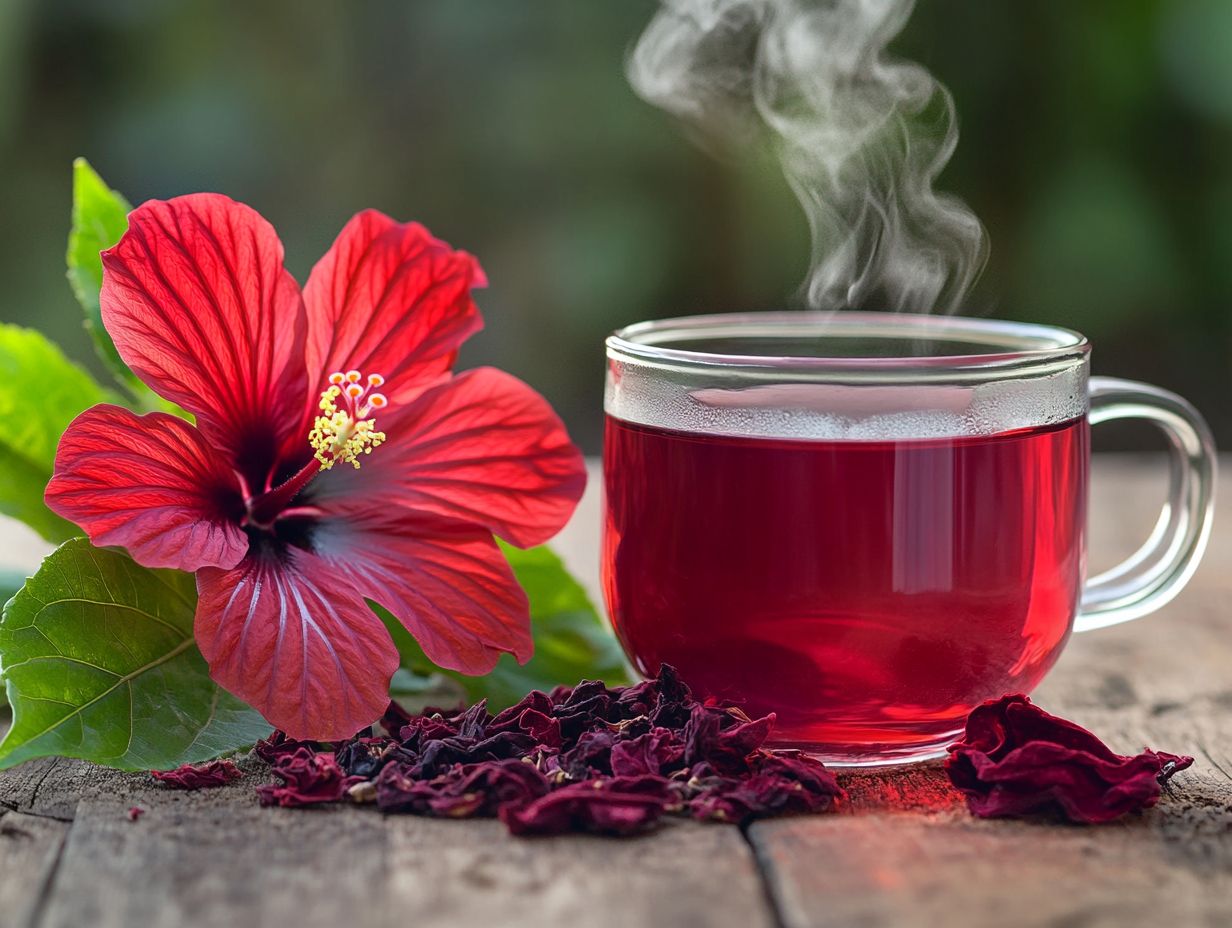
[41, 392]
[571, 641]
[100, 217]
[100, 663]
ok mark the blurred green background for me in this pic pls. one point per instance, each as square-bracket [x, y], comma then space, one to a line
[1096, 146]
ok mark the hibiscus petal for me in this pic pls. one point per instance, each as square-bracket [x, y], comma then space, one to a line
[446, 582]
[150, 484]
[390, 299]
[199, 776]
[1015, 759]
[296, 641]
[198, 304]
[482, 447]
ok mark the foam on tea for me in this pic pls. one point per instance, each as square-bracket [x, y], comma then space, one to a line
[844, 411]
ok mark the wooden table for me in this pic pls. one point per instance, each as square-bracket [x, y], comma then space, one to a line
[905, 851]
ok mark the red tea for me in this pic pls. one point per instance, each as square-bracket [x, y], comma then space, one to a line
[870, 593]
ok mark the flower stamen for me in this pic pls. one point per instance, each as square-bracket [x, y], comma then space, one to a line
[344, 431]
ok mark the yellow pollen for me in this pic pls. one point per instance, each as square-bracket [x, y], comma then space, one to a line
[345, 432]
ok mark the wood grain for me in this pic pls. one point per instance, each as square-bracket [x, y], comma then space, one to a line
[227, 862]
[685, 874]
[53, 787]
[214, 857]
[220, 864]
[29, 849]
[949, 869]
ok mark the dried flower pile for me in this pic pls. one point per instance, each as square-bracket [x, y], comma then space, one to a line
[616, 760]
[585, 758]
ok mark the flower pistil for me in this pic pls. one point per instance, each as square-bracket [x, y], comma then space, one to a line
[345, 429]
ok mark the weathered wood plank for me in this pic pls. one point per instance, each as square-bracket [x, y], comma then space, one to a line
[908, 853]
[52, 786]
[949, 869]
[685, 874]
[29, 849]
[216, 859]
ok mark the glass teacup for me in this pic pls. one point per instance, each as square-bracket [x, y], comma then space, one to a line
[870, 523]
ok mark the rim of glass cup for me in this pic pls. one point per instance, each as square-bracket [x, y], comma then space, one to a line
[1014, 348]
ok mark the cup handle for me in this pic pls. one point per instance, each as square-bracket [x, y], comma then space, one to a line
[1164, 564]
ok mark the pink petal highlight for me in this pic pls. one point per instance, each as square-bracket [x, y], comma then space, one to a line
[295, 640]
[150, 484]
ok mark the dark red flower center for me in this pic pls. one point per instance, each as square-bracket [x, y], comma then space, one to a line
[343, 432]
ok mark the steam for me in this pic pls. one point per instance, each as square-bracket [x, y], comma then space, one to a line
[861, 136]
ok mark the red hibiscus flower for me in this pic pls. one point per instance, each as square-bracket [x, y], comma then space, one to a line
[265, 499]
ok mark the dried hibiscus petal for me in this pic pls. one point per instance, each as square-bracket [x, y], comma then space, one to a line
[398, 790]
[615, 805]
[462, 792]
[423, 729]
[543, 728]
[727, 749]
[588, 705]
[591, 755]
[439, 755]
[307, 779]
[658, 752]
[671, 688]
[780, 784]
[1015, 759]
[499, 783]
[472, 722]
[199, 776]
[278, 745]
[511, 719]
[810, 773]
[362, 757]
[638, 700]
